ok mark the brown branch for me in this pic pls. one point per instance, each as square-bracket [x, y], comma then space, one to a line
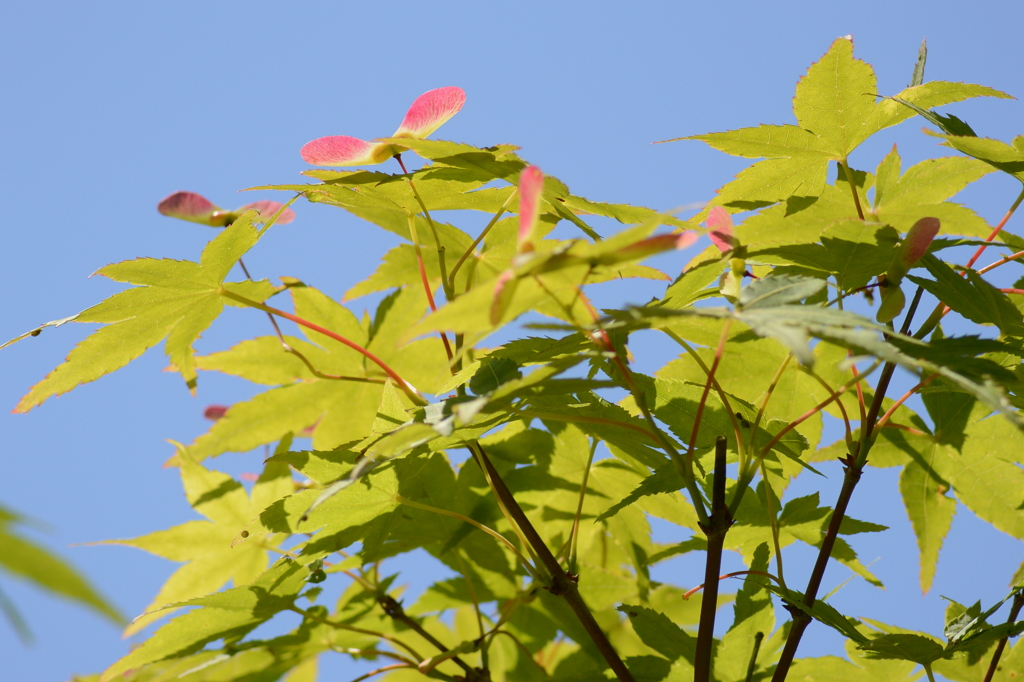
[719, 525]
[1018, 602]
[561, 583]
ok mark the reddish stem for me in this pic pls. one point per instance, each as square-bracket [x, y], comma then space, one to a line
[1002, 261]
[996, 231]
[700, 587]
[719, 351]
[406, 387]
[423, 269]
[885, 417]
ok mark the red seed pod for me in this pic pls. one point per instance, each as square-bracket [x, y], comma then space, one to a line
[215, 412]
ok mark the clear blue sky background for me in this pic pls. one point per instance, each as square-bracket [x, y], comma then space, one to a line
[108, 107]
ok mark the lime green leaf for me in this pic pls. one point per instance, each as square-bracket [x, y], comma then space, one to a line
[835, 98]
[889, 112]
[974, 298]
[1007, 158]
[835, 669]
[339, 521]
[341, 410]
[768, 141]
[903, 647]
[498, 162]
[228, 615]
[205, 547]
[176, 301]
[778, 290]
[263, 360]
[930, 182]
[981, 473]
[624, 213]
[31, 562]
[692, 285]
[660, 633]
[773, 180]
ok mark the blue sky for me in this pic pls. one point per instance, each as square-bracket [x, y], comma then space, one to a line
[111, 106]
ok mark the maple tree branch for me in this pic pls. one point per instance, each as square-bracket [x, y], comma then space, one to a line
[394, 609]
[342, 626]
[561, 584]
[1018, 603]
[707, 372]
[715, 532]
[854, 464]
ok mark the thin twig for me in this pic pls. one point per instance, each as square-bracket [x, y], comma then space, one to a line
[394, 609]
[917, 387]
[342, 626]
[476, 524]
[426, 281]
[718, 388]
[764, 403]
[1018, 602]
[574, 537]
[476, 242]
[997, 230]
[694, 590]
[853, 187]
[752, 666]
[561, 584]
[406, 387]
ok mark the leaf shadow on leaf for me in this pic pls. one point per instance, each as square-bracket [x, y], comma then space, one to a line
[527, 446]
[226, 487]
[326, 544]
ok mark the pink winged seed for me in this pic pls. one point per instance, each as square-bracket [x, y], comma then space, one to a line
[430, 111]
[659, 243]
[919, 238]
[531, 186]
[189, 206]
[341, 150]
[719, 222]
[269, 208]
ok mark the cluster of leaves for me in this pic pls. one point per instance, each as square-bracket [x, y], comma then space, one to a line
[549, 545]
